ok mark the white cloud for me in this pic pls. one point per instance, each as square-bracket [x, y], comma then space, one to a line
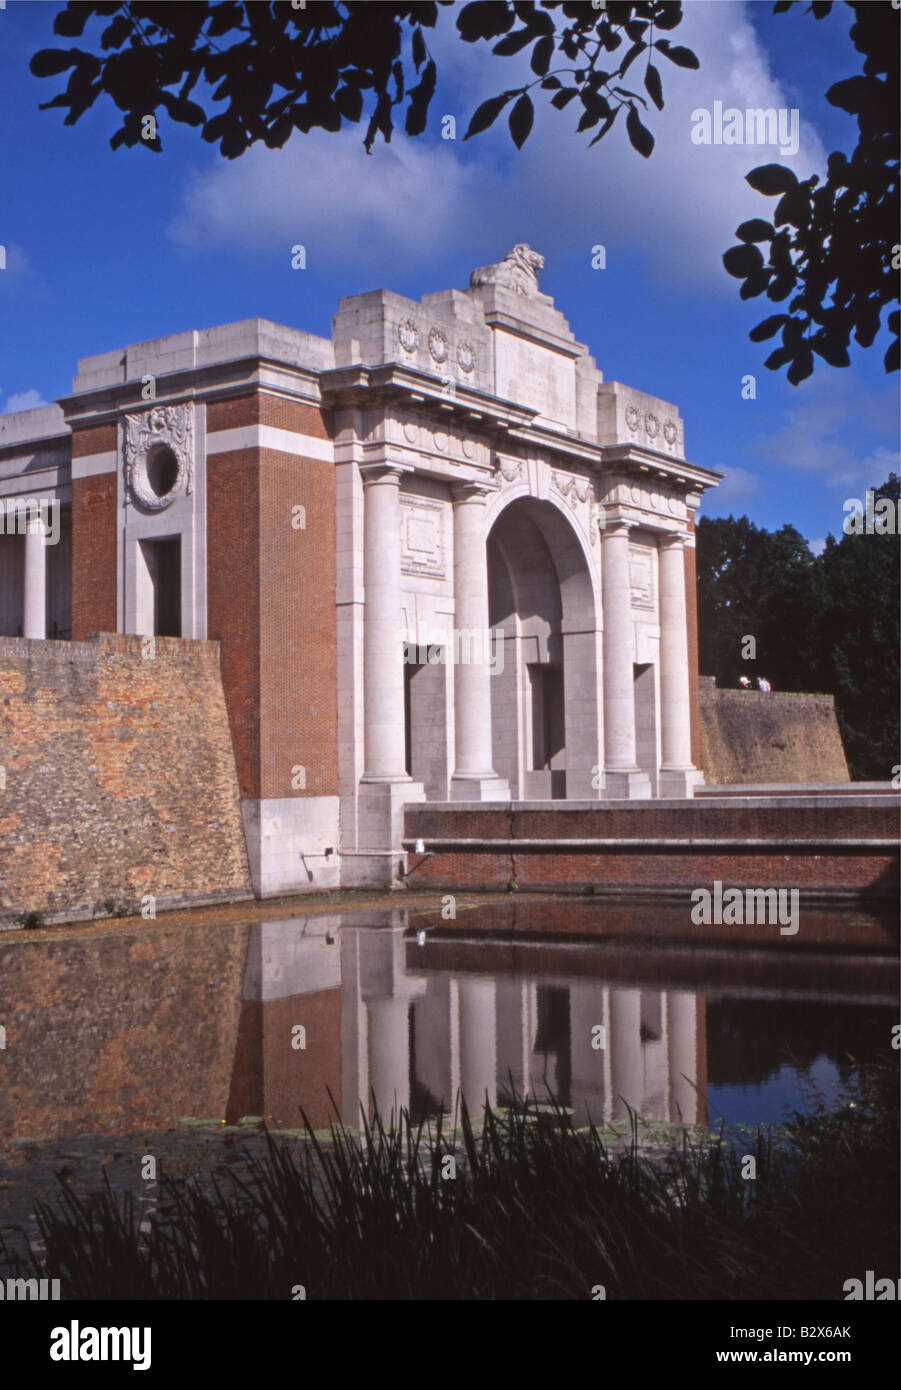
[416, 199]
[830, 432]
[738, 486]
[818, 546]
[322, 191]
[24, 400]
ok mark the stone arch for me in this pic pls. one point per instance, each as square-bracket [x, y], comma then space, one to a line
[546, 699]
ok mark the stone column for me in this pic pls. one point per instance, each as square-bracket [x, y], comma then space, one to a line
[389, 1054]
[383, 668]
[34, 620]
[385, 787]
[678, 775]
[624, 1041]
[478, 1043]
[682, 1046]
[622, 775]
[474, 778]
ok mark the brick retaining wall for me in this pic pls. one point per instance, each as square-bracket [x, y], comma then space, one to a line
[826, 845]
[119, 776]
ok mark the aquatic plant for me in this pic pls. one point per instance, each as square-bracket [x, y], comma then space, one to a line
[518, 1205]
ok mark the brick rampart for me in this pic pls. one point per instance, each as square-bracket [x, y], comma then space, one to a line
[118, 776]
[753, 736]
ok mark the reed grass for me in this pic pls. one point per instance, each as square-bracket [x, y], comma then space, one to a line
[536, 1211]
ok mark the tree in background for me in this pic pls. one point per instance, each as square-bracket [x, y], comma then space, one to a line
[764, 585]
[860, 640]
[827, 623]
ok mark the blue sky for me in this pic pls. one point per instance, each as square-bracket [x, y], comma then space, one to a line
[107, 248]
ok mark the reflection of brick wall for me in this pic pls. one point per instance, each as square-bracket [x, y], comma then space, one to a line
[750, 736]
[116, 1027]
[272, 598]
[120, 775]
[635, 864]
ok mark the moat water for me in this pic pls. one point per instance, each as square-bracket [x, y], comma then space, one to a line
[118, 1026]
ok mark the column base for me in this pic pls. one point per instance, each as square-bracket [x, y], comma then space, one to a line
[292, 844]
[678, 781]
[380, 815]
[491, 788]
[626, 785]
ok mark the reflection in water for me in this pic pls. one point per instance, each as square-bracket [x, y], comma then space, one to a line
[264, 1018]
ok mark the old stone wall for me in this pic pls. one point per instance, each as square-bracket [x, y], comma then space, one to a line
[117, 776]
[750, 736]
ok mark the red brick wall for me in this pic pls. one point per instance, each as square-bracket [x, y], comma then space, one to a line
[265, 408]
[233, 599]
[97, 439]
[298, 654]
[271, 599]
[93, 546]
[639, 865]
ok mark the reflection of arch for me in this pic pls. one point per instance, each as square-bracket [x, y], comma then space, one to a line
[546, 700]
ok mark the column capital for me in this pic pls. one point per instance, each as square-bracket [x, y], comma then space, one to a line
[617, 527]
[672, 540]
[472, 491]
[382, 473]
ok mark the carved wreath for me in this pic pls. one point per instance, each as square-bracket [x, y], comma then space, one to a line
[164, 426]
[568, 486]
[466, 356]
[509, 471]
[438, 345]
[408, 334]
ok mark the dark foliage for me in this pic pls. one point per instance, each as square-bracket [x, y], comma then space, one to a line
[281, 69]
[833, 247]
[535, 1210]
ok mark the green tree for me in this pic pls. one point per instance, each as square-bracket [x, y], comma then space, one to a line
[860, 642]
[827, 623]
[763, 585]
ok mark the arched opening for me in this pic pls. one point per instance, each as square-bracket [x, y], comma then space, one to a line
[545, 705]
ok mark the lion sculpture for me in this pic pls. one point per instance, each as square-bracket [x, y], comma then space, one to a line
[518, 271]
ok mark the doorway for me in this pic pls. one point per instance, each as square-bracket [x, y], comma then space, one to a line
[163, 561]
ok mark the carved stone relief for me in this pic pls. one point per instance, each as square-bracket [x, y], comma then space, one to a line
[641, 576]
[159, 455]
[423, 549]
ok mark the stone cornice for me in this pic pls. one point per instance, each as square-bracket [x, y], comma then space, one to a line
[219, 380]
[359, 385]
[632, 459]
